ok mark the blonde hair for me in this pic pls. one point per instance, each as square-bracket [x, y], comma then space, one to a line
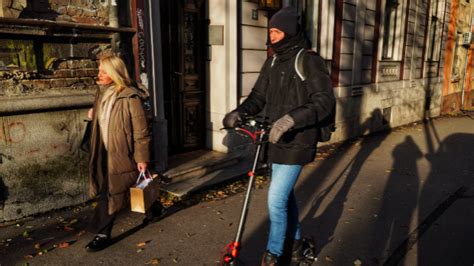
[116, 69]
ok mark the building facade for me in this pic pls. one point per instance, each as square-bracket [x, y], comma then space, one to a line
[392, 62]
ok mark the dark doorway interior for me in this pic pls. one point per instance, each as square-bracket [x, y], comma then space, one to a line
[184, 42]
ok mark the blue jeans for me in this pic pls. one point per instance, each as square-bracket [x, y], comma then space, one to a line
[282, 208]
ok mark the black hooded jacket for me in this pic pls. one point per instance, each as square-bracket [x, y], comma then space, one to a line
[279, 91]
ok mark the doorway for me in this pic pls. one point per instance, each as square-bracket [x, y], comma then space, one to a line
[184, 43]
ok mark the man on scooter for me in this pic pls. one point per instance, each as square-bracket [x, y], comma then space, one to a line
[294, 107]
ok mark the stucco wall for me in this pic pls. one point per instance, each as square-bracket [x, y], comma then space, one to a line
[42, 167]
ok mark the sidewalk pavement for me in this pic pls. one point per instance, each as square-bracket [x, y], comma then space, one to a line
[400, 197]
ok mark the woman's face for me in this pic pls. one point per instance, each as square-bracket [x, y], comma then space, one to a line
[103, 78]
[276, 35]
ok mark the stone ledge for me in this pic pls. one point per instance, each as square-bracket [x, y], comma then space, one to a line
[22, 104]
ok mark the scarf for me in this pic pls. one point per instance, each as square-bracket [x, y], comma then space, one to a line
[289, 46]
[109, 95]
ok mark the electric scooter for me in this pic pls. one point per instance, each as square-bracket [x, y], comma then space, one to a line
[257, 131]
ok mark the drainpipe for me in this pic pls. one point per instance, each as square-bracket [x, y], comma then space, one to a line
[466, 63]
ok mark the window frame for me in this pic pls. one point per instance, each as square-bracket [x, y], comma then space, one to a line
[398, 33]
[321, 34]
[435, 30]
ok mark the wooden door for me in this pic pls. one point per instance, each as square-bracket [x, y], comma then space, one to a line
[184, 43]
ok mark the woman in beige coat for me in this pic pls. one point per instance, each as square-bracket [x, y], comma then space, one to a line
[119, 146]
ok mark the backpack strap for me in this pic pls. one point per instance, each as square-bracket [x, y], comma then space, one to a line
[299, 65]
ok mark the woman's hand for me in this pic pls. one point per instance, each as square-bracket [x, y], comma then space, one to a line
[90, 113]
[142, 167]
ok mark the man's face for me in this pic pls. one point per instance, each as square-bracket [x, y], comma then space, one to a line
[276, 35]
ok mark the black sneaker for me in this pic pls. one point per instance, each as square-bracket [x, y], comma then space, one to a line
[269, 259]
[98, 243]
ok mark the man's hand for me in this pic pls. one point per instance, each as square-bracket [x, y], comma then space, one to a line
[142, 167]
[230, 119]
[281, 126]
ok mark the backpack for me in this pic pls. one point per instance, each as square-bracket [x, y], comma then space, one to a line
[328, 125]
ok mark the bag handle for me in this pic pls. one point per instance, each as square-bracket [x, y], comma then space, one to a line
[145, 174]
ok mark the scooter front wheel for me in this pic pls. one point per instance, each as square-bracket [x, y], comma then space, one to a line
[232, 262]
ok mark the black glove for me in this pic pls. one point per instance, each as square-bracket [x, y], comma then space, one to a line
[230, 119]
[281, 126]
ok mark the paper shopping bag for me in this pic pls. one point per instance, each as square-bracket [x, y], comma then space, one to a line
[144, 193]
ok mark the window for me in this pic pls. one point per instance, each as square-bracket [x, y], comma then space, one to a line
[390, 29]
[319, 26]
[434, 39]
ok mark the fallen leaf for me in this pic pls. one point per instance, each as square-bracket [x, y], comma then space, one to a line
[81, 233]
[357, 262]
[329, 259]
[154, 261]
[26, 234]
[29, 256]
[190, 234]
[37, 246]
[141, 244]
[140, 250]
[175, 260]
[64, 245]
[68, 229]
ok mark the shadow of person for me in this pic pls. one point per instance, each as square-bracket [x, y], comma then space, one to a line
[327, 221]
[399, 202]
[449, 222]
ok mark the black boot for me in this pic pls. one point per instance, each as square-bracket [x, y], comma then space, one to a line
[269, 259]
[99, 242]
[303, 252]
[297, 253]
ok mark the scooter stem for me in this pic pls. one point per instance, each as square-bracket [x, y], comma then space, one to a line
[251, 174]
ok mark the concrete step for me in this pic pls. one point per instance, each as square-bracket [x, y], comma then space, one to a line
[197, 170]
[201, 169]
[184, 186]
[199, 163]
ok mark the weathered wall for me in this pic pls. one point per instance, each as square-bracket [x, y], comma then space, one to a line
[80, 11]
[459, 59]
[385, 105]
[47, 84]
[41, 167]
